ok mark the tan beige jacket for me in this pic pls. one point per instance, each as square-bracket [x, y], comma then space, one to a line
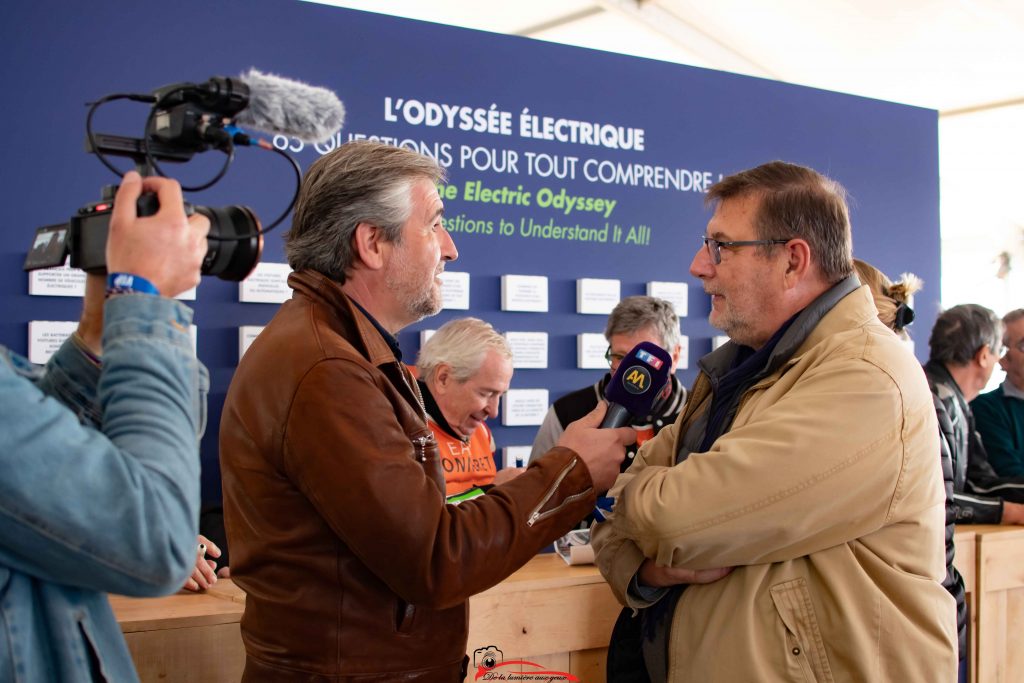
[826, 495]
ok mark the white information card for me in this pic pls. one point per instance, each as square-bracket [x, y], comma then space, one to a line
[676, 293]
[529, 349]
[524, 293]
[590, 350]
[67, 281]
[46, 336]
[246, 335]
[60, 281]
[455, 291]
[524, 407]
[596, 296]
[267, 284]
[684, 353]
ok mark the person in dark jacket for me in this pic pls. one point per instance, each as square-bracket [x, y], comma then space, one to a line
[999, 414]
[635, 319]
[964, 346]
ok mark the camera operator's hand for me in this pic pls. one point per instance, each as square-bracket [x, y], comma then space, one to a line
[166, 248]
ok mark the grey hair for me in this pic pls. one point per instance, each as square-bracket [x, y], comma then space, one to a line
[961, 331]
[796, 202]
[1013, 316]
[461, 344]
[359, 182]
[636, 313]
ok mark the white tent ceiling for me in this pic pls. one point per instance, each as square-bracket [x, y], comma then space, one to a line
[950, 55]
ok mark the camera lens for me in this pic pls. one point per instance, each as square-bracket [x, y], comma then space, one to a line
[232, 257]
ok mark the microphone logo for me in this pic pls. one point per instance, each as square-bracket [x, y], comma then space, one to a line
[636, 380]
[649, 358]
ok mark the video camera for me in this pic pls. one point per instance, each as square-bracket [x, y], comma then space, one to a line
[185, 119]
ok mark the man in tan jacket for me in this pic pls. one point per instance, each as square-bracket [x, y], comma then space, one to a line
[789, 526]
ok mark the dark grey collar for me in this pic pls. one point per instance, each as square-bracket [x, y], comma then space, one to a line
[720, 361]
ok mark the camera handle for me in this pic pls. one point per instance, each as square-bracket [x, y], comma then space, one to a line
[146, 205]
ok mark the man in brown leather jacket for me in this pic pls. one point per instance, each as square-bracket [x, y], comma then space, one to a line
[354, 567]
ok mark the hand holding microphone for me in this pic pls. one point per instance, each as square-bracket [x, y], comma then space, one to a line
[600, 438]
[601, 449]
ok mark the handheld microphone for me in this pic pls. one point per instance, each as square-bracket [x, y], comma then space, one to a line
[634, 387]
[636, 384]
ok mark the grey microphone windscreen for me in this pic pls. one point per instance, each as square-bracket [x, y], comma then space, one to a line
[283, 106]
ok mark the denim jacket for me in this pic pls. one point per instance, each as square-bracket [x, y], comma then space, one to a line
[101, 497]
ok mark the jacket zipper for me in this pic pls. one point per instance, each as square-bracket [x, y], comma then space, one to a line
[415, 391]
[421, 447]
[420, 441]
[537, 515]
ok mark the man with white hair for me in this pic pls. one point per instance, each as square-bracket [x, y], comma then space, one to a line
[465, 368]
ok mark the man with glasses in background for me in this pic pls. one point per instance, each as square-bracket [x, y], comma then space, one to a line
[963, 348]
[999, 414]
[635, 319]
[789, 525]
[965, 345]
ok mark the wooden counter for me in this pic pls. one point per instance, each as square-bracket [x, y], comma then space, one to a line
[999, 603]
[966, 562]
[183, 637]
[550, 614]
[554, 615]
[546, 612]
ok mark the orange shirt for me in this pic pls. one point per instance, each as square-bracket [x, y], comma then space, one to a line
[465, 463]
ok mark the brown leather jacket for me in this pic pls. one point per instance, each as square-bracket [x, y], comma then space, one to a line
[353, 566]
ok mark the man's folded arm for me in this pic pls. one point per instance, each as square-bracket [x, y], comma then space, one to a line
[752, 497]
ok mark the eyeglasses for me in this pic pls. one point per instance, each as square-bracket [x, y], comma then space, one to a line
[1006, 347]
[715, 246]
[613, 358]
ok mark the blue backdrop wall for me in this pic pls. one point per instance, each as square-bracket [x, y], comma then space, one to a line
[666, 130]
